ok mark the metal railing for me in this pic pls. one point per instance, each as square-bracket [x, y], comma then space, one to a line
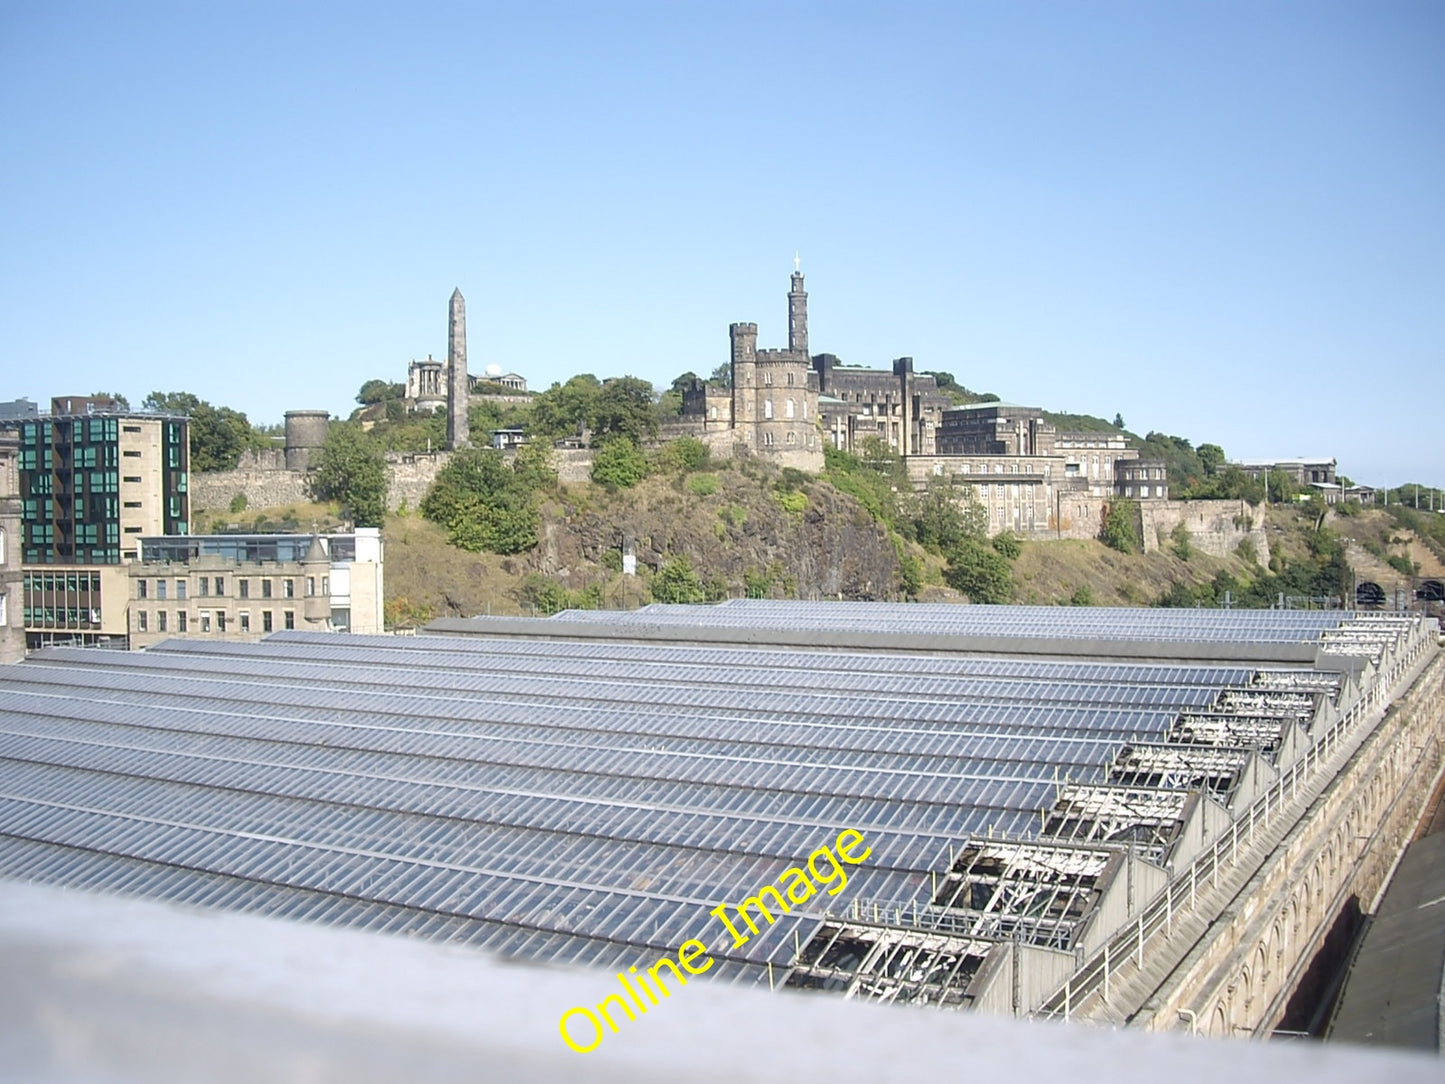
[1180, 896]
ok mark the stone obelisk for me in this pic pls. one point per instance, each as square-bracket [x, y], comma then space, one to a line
[458, 434]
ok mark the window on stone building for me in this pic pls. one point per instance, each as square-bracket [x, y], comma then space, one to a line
[245, 618]
[220, 586]
[768, 379]
[203, 587]
[792, 438]
[220, 620]
[790, 380]
[265, 620]
[288, 588]
[140, 621]
[789, 408]
[161, 616]
[182, 620]
[289, 619]
[768, 438]
[244, 587]
[805, 410]
[142, 588]
[180, 589]
[205, 620]
[325, 585]
[768, 408]
[265, 588]
[310, 586]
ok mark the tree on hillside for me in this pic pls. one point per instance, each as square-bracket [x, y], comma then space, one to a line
[1211, 458]
[943, 514]
[563, 410]
[353, 471]
[722, 376]
[1121, 527]
[978, 570]
[677, 582]
[669, 403]
[488, 503]
[379, 391]
[218, 434]
[1119, 421]
[619, 462]
[623, 408]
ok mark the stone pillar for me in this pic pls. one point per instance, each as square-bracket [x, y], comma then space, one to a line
[798, 316]
[458, 433]
[903, 370]
[12, 600]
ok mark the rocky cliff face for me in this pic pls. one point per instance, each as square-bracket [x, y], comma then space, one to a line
[805, 539]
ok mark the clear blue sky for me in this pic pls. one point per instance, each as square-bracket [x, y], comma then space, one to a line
[1224, 220]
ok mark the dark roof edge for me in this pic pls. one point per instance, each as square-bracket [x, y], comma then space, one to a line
[840, 640]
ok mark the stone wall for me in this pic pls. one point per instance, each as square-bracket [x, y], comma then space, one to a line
[262, 488]
[1215, 527]
[410, 476]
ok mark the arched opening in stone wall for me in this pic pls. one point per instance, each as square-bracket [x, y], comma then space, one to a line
[1313, 998]
[1219, 1022]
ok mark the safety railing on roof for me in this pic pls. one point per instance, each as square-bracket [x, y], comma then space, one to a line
[1131, 944]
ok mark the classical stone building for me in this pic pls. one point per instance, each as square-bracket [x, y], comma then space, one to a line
[1305, 470]
[426, 386]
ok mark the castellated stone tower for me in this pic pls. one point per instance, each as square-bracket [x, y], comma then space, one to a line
[458, 388]
[775, 392]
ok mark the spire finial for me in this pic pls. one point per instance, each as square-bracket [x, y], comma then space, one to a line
[797, 263]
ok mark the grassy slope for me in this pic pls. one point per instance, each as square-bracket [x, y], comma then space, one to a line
[424, 570]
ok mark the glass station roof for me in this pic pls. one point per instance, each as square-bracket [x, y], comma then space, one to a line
[1085, 623]
[584, 801]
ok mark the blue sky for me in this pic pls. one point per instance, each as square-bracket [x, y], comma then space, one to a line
[1224, 221]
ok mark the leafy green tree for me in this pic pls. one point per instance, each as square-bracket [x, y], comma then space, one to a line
[486, 502]
[218, 434]
[619, 463]
[623, 408]
[1211, 458]
[353, 471]
[677, 582]
[1121, 527]
[722, 376]
[1183, 545]
[564, 410]
[377, 391]
[1007, 544]
[120, 400]
[1119, 421]
[681, 456]
[979, 571]
[1282, 488]
[943, 514]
